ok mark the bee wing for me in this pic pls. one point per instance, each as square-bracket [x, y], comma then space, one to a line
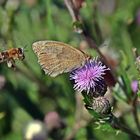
[57, 57]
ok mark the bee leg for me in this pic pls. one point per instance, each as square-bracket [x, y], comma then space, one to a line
[11, 64]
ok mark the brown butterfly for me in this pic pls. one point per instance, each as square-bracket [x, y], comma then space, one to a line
[57, 57]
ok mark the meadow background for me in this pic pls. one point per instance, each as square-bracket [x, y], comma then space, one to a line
[28, 95]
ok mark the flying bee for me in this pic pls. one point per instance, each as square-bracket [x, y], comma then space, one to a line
[11, 55]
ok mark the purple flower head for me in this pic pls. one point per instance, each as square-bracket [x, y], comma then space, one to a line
[89, 77]
[134, 86]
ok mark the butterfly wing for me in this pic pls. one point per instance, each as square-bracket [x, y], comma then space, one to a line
[57, 57]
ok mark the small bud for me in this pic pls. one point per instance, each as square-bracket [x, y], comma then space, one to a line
[101, 105]
[53, 121]
[134, 86]
[137, 63]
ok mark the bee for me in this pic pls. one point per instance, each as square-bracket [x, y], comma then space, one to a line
[11, 55]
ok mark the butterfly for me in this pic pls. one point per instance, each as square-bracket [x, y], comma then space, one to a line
[56, 57]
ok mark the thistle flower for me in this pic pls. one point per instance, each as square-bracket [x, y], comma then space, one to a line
[89, 77]
[99, 90]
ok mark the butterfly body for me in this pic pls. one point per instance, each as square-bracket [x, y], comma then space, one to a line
[57, 57]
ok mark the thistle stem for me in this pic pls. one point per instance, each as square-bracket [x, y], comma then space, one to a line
[116, 124]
